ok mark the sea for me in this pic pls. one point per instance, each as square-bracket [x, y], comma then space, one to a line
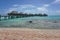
[38, 22]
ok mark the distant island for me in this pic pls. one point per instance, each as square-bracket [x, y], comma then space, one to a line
[21, 14]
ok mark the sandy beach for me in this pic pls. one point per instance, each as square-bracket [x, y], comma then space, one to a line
[29, 34]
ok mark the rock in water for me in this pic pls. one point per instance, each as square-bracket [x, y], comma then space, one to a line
[30, 21]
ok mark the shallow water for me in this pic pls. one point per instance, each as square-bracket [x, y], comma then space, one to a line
[52, 22]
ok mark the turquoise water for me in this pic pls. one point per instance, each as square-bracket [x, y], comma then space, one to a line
[38, 22]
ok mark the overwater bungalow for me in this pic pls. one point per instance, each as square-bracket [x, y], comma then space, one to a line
[15, 14]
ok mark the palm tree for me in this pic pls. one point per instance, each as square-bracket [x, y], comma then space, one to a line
[40, 14]
[12, 14]
[25, 15]
[45, 14]
[21, 14]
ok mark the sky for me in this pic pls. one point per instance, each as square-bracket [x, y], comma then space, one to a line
[50, 7]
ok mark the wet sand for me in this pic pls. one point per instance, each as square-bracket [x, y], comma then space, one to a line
[29, 34]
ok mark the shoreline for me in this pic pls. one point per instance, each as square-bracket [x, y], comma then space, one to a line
[17, 28]
[29, 34]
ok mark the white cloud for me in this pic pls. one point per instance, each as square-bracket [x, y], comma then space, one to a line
[42, 9]
[28, 5]
[11, 9]
[58, 11]
[27, 11]
[56, 1]
[20, 7]
[23, 6]
[46, 5]
[29, 8]
[15, 5]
